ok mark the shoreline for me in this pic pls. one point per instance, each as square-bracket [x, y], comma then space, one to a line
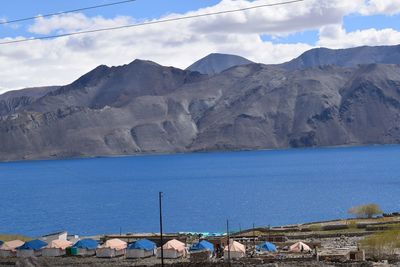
[149, 154]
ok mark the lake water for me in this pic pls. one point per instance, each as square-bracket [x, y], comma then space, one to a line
[201, 191]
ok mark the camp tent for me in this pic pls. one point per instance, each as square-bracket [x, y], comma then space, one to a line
[299, 247]
[84, 247]
[56, 248]
[1, 243]
[8, 249]
[141, 249]
[31, 248]
[202, 245]
[235, 250]
[111, 248]
[173, 249]
[266, 247]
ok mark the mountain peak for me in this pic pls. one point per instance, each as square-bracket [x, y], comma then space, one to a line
[349, 57]
[216, 62]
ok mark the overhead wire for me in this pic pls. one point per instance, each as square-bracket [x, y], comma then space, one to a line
[150, 22]
[65, 12]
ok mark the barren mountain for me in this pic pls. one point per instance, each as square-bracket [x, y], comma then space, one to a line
[346, 57]
[143, 107]
[216, 63]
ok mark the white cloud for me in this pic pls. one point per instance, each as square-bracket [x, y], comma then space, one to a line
[60, 61]
[336, 37]
[387, 7]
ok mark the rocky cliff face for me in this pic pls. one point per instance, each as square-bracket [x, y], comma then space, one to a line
[144, 107]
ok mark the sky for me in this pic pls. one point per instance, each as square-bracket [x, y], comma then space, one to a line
[266, 35]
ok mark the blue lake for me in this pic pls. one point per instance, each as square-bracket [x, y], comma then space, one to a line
[201, 191]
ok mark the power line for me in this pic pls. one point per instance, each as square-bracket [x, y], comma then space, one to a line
[65, 12]
[150, 22]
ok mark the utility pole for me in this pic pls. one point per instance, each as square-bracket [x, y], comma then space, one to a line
[161, 229]
[254, 237]
[229, 242]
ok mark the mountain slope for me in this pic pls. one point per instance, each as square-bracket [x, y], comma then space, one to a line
[346, 57]
[216, 63]
[144, 107]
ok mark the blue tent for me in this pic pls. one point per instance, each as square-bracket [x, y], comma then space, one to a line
[86, 243]
[34, 245]
[1, 242]
[143, 244]
[202, 245]
[267, 246]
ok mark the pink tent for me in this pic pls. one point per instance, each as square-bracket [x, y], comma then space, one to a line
[175, 245]
[236, 247]
[299, 247]
[115, 244]
[61, 244]
[12, 245]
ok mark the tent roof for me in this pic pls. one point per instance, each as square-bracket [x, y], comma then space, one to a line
[86, 243]
[34, 245]
[267, 246]
[1, 243]
[11, 245]
[62, 244]
[174, 245]
[235, 247]
[299, 247]
[114, 243]
[202, 245]
[143, 244]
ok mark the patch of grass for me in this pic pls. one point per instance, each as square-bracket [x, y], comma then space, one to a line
[382, 245]
[316, 228]
[5, 238]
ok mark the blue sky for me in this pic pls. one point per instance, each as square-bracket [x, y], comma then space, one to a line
[266, 35]
[153, 9]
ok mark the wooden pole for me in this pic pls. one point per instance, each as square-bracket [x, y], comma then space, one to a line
[229, 242]
[161, 229]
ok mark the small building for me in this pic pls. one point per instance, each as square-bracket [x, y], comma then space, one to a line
[112, 248]
[9, 249]
[357, 255]
[56, 248]
[31, 248]
[85, 247]
[173, 249]
[141, 249]
[55, 236]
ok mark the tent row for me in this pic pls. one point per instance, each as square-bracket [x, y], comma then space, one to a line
[85, 247]
[139, 249]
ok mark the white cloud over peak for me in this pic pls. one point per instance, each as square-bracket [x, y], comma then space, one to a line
[335, 36]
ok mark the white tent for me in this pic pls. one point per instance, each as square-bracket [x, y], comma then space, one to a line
[173, 249]
[299, 247]
[8, 249]
[112, 248]
[56, 248]
[235, 250]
